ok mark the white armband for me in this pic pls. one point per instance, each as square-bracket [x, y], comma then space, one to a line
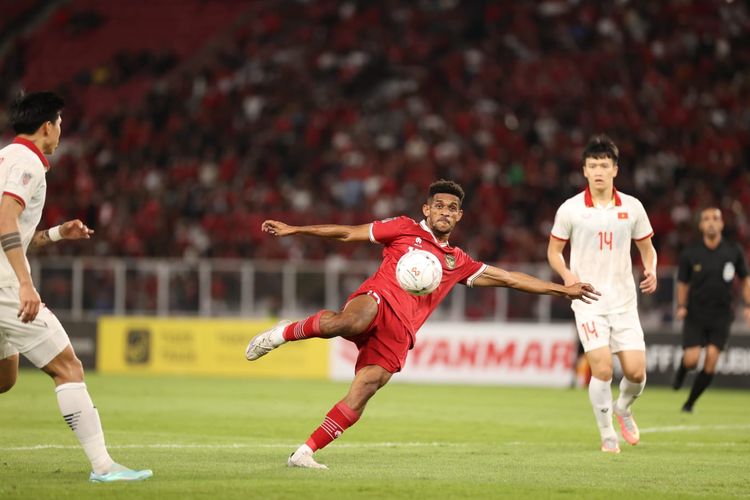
[54, 233]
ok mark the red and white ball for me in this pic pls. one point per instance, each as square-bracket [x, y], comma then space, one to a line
[419, 272]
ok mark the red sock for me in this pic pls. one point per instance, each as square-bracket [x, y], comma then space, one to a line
[340, 418]
[304, 329]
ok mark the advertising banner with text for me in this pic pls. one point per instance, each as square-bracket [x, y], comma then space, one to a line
[194, 346]
[664, 353]
[480, 353]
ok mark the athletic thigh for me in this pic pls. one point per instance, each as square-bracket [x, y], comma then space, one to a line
[600, 361]
[385, 343]
[40, 340]
[633, 364]
[360, 311]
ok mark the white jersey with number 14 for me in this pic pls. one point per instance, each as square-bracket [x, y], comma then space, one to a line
[600, 244]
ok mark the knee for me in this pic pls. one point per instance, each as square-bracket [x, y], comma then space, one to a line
[602, 372]
[636, 377]
[690, 363]
[690, 360]
[71, 370]
[75, 370]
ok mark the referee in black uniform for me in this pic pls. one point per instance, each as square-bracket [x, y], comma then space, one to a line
[704, 300]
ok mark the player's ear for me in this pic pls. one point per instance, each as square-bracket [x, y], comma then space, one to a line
[616, 169]
[425, 210]
[459, 215]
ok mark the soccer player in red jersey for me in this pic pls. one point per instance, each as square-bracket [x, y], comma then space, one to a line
[382, 319]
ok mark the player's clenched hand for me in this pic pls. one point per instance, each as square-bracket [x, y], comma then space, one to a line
[30, 302]
[582, 291]
[75, 230]
[648, 284]
[277, 228]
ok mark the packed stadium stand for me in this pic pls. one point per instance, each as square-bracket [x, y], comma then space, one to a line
[189, 125]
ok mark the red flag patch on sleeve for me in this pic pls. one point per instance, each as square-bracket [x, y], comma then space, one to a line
[622, 215]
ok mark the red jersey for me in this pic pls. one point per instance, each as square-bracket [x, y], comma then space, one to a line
[399, 235]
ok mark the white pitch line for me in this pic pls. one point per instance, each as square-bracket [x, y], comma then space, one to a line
[409, 444]
[689, 428]
[231, 446]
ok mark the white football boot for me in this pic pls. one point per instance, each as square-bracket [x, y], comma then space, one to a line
[303, 457]
[262, 343]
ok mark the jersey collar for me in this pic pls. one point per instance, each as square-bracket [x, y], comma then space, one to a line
[589, 200]
[424, 226]
[34, 149]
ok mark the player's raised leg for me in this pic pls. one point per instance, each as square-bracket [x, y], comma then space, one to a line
[353, 320]
[631, 387]
[368, 380]
[600, 395]
[82, 416]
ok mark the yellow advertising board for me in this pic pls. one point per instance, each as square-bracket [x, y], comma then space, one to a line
[196, 346]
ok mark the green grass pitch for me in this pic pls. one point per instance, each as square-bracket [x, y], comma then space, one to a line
[229, 438]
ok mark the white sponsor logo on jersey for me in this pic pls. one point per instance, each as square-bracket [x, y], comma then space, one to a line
[728, 273]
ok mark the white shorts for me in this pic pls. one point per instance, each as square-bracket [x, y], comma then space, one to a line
[39, 341]
[619, 332]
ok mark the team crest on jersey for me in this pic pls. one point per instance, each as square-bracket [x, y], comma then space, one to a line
[418, 241]
[450, 261]
[697, 268]
[25, 178]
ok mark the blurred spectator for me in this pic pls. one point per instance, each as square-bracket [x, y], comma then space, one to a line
[345, 111]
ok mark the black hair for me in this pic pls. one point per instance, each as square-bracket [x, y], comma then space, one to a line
[601, 146]
[446, 187]
[30, 111]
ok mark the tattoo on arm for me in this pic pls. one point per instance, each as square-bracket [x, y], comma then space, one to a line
[40, 239]
[9, 241]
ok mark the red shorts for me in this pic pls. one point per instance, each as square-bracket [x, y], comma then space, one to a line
[386, 342]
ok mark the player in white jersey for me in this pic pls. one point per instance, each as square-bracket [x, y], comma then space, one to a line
[600, 224]
[26, 325]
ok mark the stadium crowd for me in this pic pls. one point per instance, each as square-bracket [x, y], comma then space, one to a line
[345, 112]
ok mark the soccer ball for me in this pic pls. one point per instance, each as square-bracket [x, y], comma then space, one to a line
[419, 272]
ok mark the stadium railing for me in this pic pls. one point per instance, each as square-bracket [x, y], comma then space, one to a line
[86, 288]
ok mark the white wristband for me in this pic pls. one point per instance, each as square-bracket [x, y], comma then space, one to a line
[54, 233]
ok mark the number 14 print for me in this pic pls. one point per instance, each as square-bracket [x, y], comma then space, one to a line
[605, 240]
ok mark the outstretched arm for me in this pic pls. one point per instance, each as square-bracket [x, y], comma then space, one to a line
[332, 231]
[494, 276]
[70, 230]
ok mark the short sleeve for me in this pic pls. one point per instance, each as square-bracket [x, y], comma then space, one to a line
[471, 269]
[386, 230]
[684, 269]
[642, 228]
[561, 227]
[23, 181]
[741, 265]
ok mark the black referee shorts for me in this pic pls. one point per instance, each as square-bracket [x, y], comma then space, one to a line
[699, 332]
